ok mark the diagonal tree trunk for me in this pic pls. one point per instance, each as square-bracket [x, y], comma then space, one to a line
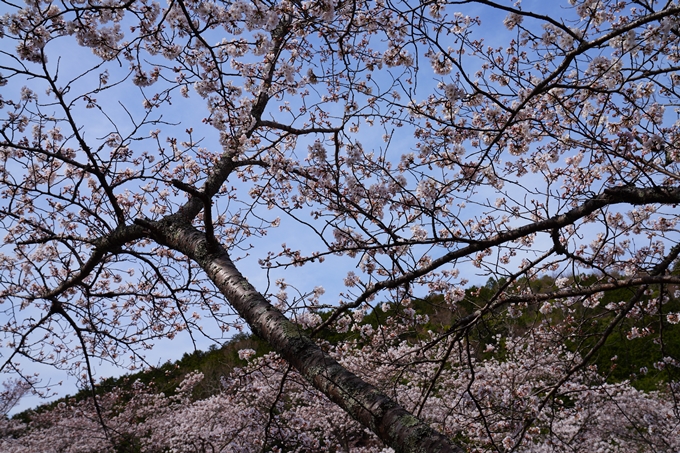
[393, 424]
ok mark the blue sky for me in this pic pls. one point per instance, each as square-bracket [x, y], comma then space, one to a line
[126, 100]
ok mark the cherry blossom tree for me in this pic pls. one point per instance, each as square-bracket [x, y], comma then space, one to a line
[12, 392]
[267, 406]
[408, 141]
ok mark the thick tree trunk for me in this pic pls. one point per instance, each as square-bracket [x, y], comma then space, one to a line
[388, 420]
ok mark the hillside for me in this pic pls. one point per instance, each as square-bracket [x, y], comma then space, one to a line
[620, 359]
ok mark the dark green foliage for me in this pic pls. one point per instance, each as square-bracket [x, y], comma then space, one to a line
[127, 444]
[640, 359]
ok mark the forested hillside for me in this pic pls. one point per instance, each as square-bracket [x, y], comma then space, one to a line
[628, 371]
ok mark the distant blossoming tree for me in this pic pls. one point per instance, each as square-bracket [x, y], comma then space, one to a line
[409, 141]
[267, 406]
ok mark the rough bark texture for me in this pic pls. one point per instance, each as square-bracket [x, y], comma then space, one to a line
[392, 423]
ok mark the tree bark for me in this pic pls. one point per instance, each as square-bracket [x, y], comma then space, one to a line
[393, 424]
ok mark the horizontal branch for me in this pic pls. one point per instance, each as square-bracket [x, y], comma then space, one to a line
[611, 196]
[592, 289]
[103, 246]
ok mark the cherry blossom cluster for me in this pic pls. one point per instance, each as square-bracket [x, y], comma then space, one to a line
[506, 401]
